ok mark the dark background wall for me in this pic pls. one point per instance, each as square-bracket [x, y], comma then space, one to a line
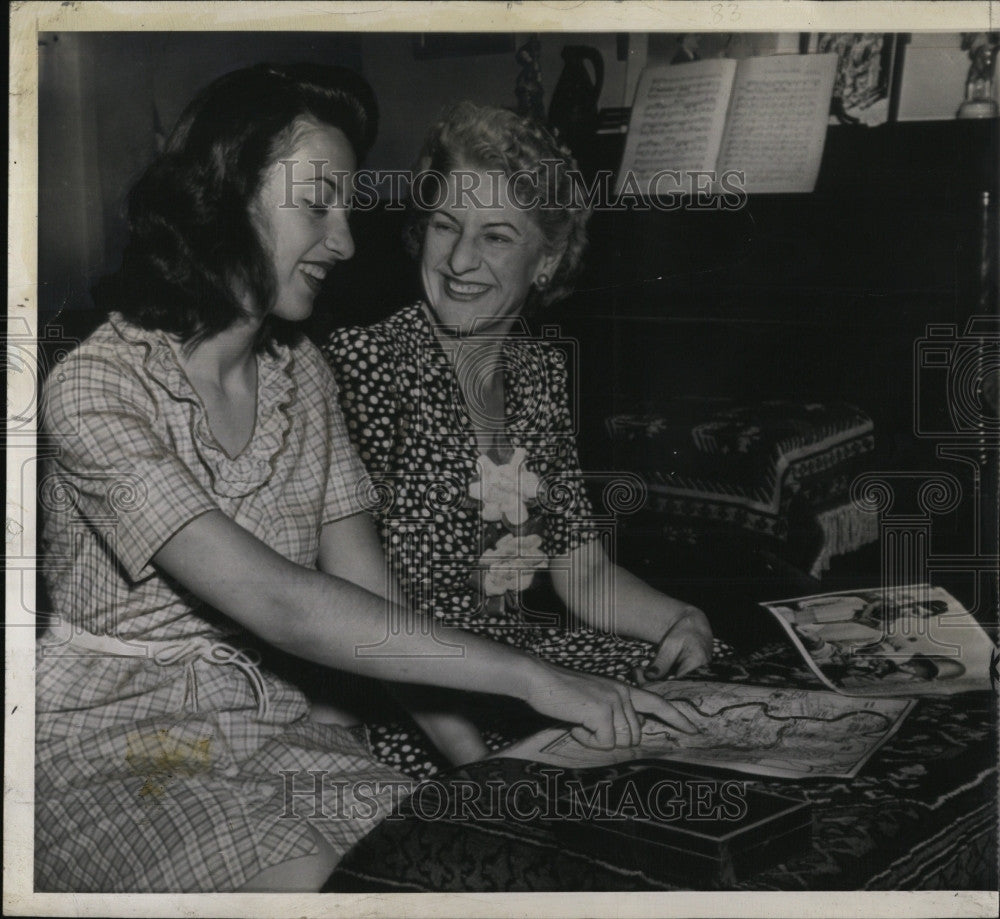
[106, 97]
[820, 296]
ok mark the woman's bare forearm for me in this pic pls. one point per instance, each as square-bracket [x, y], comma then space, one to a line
[332, 621]
[339, 624]
[345, 626]
[609, 598]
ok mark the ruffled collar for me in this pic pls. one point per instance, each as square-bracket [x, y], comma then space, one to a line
[232, 477]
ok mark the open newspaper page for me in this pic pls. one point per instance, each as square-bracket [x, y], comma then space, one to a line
[761, 730]
[914, 640]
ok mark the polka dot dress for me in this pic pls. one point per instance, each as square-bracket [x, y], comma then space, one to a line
[465, 533]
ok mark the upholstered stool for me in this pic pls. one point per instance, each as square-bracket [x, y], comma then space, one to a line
[771, 471]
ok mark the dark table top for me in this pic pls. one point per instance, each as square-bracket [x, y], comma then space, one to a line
[921, 814]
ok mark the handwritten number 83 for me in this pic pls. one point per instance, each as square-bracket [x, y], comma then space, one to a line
[725, 12]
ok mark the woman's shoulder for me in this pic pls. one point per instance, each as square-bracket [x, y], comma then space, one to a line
[112, 340]
[107, 371]
[105, 367]
[307, 362]
[384, 343]
[392, 331]
[549, 357]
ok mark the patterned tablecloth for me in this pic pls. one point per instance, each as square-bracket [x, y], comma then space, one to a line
[922, 814]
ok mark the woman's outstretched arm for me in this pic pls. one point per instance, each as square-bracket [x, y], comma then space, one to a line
[339, 624]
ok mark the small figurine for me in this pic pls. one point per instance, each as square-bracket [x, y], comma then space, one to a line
[528, 89]
[979, 100]
[687, 50]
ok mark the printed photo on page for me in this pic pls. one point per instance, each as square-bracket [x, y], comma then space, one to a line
[916, 640]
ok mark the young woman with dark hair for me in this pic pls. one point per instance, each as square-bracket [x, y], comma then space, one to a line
[204, 503]
[194, 254]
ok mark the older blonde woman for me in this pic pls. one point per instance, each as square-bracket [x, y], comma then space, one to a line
[466, 423]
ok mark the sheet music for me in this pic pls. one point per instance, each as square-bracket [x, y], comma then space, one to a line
[677, 121]
[777, 121]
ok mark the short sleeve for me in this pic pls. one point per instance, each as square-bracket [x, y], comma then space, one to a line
[110, 465]
[569, 513]
[348, 487]
[366, 382]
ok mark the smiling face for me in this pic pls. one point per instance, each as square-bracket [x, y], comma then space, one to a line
[301, 211]
[481, 254]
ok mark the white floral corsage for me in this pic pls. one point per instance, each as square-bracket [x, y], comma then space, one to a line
[505, 489]
[511, 564]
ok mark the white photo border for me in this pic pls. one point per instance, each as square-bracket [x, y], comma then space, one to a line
[27, 19]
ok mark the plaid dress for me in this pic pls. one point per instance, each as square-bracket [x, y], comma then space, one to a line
[167, 759]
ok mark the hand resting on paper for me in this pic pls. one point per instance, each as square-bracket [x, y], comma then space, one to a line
[613, 715]
[684, 647]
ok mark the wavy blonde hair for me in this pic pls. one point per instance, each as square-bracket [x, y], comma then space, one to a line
[472, 136]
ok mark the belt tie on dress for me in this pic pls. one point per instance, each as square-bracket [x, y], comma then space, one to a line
[185, 650]
[215, 652]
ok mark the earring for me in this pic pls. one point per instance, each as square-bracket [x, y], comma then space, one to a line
[542, 281]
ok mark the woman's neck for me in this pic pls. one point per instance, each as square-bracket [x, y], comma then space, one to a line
[224, 357]
[223, 372]
[479, 369]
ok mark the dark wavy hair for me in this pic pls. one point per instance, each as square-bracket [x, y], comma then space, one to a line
[486, 137]
[192, 240]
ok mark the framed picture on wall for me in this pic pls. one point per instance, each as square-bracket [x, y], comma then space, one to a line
[863, 92]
